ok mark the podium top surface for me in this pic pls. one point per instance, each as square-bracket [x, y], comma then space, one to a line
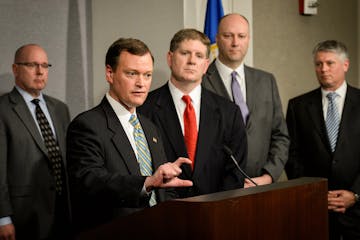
[253, 190]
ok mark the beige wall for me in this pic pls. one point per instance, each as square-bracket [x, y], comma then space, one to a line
[283, 40]
[153, 21]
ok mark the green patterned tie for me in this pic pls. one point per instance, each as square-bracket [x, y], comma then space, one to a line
[143, 152]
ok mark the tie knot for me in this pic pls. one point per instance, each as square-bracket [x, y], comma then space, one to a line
[134, 121]
[35, 101]
[186, 99]
[331, 96]
[233, 75]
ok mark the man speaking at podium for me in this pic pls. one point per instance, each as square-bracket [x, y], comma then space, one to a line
[116, 159]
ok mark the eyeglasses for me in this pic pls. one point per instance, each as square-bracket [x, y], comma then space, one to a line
[33, 65]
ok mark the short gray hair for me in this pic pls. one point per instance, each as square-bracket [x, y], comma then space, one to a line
[332, 46]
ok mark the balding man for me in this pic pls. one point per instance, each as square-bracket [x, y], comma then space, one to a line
[256, 93]
[33, 186]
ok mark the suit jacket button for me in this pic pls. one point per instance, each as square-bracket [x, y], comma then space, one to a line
[334, 162]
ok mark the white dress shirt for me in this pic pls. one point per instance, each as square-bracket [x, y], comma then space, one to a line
[225, 74]
[28, 98]
[180, 105]
[339, 101]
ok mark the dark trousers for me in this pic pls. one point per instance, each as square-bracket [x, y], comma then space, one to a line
[343, 226]
[62, 227]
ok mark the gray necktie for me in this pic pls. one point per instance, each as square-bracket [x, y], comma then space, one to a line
[238, 97]
[332, 120]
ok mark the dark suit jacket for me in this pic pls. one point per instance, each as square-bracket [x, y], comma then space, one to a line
[267, 134]
[310, 153]
[220, 124]
[105, 177]
[27, 192]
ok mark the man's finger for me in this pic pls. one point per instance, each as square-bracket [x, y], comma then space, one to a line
[182, 160]
[177, 182]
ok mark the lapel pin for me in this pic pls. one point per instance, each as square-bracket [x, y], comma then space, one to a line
[154, 139]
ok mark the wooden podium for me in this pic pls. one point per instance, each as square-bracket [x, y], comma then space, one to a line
[290, 210]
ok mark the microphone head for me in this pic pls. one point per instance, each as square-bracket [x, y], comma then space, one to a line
[227, 150]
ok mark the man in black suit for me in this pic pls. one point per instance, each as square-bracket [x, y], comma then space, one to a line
[30, 206]
[324, 133]
[117, 168]
[267, 135]
[217, 121]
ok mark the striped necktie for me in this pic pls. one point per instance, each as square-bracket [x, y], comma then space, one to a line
[332, 120]
[143, 152]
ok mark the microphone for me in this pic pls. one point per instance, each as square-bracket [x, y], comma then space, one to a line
[229, 152]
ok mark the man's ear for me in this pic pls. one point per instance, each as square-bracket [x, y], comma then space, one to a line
[346, 65]
[206, 65]
[169, 58]
[109, 74]
[15, 69]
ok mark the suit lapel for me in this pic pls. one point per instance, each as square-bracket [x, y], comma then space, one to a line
[215, 82]
[152, 141]
[349, 113]
[120, 140]
[208, 120]
[251, 93]
[24, 114]
[315, 112]
[168, 118]
[57, 124]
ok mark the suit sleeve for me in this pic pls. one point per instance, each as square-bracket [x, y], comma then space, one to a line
[238, 144]
[90, 171]
[294, 167]
[5, 205]
[279, 142]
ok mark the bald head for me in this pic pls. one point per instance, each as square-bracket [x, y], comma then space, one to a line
[30, 68]
[25, 50]
[233, 39]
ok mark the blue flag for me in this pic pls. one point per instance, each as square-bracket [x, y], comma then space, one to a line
[214, 11]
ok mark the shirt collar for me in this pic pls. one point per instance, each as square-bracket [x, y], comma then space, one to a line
[120, 111]
[341, 91]
[177, 94]
[27, 97]
[225, 71]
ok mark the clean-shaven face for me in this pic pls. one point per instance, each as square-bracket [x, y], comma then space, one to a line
[130, 81]
[233, 40]
[29, 74]
[330, 69]
[188, 62]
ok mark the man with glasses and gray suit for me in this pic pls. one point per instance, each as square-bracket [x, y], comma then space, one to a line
[34, 200]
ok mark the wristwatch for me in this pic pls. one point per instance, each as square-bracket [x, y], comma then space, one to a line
[357, 197]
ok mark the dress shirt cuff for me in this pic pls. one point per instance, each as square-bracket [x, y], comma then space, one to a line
[144, 192]
[5, 221]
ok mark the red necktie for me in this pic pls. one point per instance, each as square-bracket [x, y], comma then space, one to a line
[190, 127]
